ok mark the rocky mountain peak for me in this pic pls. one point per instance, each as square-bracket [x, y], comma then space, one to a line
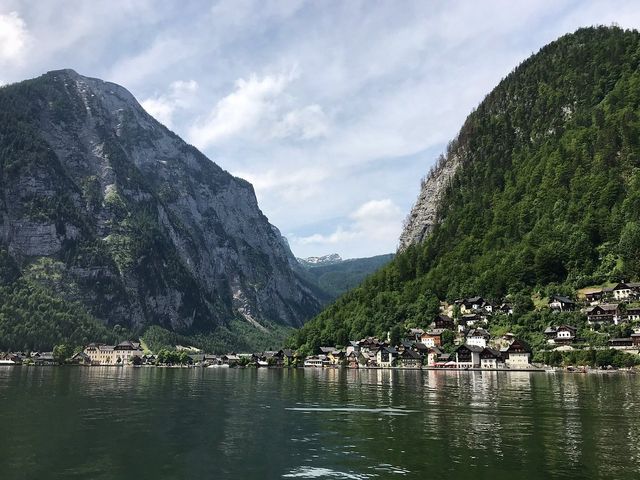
[142, 228]
[323, 260]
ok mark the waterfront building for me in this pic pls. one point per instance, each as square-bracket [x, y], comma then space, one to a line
[468, 356]
[490, 358]
[120, 354]
[517, 354]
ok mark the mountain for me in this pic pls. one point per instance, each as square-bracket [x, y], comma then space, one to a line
[324, 260]
[540, 190]
[106, 209]
[335, 276]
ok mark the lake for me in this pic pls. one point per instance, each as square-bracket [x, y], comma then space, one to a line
[156, 423]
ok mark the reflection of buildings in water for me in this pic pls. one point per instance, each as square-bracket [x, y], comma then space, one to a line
[519, 382]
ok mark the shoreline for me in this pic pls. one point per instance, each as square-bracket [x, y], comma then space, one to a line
[429, 369]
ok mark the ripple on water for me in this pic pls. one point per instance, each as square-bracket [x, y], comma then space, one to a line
[390, 411]
[317, 472]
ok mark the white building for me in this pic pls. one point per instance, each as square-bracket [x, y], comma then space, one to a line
[490, 358]
[120, 354]
[624, 291]
[478, 337]
[517, 355]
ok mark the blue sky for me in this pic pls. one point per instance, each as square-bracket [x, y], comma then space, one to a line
[334, 110]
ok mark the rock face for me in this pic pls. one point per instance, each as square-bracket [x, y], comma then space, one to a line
[143, 228]
[424, 214]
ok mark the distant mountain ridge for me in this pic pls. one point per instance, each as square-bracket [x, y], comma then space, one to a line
[324, 260]
[102, 205]
[335, 276]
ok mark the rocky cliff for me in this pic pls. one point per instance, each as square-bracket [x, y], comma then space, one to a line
[106, 206]
[424, 214]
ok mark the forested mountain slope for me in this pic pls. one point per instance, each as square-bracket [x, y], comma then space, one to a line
[337, 276]
[541, 186]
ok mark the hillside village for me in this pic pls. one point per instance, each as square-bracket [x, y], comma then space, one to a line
[459, 337]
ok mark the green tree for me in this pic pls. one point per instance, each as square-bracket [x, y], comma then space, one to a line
[629, 248]
[62, 352]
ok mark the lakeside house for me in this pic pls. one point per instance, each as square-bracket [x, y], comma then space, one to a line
[562, 335]
[621, 343]
[468, 356]
[10, 359]
[626, 290]
[561, 303]
[43, 358]
[443, 322]
[317, 361]
[474, 304]
[491, 358]
[80, 358]
[432, 338]
[517, 355]
[386, 356]
[120, 354]
[604, 314]
[478, 337]
[410, 358]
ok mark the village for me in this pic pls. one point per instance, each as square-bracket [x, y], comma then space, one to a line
[457, 338]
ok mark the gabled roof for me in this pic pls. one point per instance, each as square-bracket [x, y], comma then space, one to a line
[272, 353]
[517, 344]
[607, 307]
[410, 354]
[478, 332]
[490, 352]
[474, 300]
[434, 333]
[473, 348]
[568, 327]
[127, 344]
[561, 299]
[626, 285]
[327, 350]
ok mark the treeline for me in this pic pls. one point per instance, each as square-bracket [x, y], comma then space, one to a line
[32, 319]
[590, 357]
[548, 192]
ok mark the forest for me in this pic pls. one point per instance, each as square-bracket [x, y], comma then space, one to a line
[547, 194]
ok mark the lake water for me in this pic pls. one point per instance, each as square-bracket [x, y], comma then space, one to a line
[152, 423]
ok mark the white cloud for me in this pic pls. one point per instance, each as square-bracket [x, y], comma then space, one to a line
[374, 223]
[241, 110]
[14, 37]
[181, 95]
[376, 93]
[306, 123]
[161, 55]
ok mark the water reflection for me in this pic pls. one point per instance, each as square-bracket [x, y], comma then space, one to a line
[225, 423]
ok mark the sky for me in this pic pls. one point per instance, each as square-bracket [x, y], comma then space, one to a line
[333, 110]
